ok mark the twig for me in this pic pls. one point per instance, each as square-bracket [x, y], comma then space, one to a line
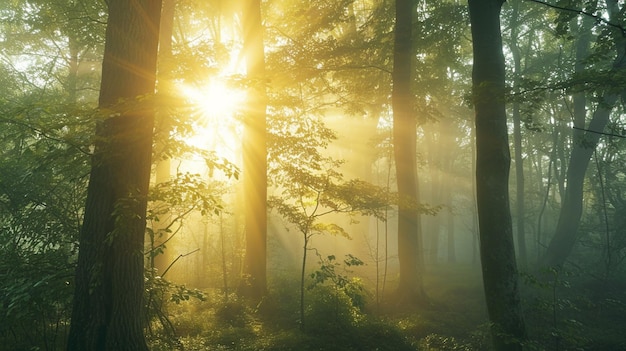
[178, 258]
[583, 12]
[596, 132]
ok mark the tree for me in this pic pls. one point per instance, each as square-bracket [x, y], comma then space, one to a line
[109, 277]
[61, 40]
[159, 257]
[43, 167]
[520, 211]
[410, 287]
[313, 189]
[493, 160]
[255, 152]
[585, 142]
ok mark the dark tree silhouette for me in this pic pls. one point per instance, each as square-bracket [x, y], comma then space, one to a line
[500, 278]
[109, 277]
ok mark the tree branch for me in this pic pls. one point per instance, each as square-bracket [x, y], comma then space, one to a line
[596, 132]
[178, 258]
[582, 12]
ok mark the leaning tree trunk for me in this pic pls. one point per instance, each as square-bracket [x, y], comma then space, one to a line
[500, 278]
[585, 142]
[255, 154]
[108, 294]
[410, 287]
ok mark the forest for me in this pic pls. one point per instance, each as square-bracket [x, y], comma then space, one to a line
[312, 175]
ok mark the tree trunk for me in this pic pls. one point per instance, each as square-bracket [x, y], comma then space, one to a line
[433, 223]
[72, 75]
[520, 211]
[475, 230]
[410, 287]
[109, 277]
[255, 154]
[165, 88]
[497, 252]
[448, 200]
[584, 143]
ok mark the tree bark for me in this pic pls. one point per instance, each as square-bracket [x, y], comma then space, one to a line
[500, 278]
[109, 277]
[255, 154]
[410, 257]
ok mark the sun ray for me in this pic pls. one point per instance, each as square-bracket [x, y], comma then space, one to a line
[217, 103]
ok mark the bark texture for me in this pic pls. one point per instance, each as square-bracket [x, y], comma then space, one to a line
[109, 277]
[500, 278]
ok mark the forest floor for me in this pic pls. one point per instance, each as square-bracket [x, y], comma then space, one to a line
[454, 318]
[563, 311]
[561, 315]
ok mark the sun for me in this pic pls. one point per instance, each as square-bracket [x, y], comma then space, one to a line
[215, 99]
[217, 104]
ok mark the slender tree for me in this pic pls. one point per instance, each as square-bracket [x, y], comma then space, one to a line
[585, 142]
[500, 278]
[109, 277]
[255, 152]
[410, 287]
[520, 209]
[159, 257]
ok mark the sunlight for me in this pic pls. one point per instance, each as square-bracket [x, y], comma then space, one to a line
[216, 99]
[217, 103]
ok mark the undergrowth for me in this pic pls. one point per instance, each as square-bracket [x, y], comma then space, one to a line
[336, 319]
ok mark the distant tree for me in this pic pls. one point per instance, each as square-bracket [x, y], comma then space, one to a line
[158, 256]
[493, 160]
[586, 136]
[110, 273]
[255, 152]
[520, 209]
[410, 287]
[62, 40]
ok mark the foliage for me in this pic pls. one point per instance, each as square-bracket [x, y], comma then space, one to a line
[566, 308]
[335, 323]
[352, 287]
[221, 325]
[325, 59]
[62, 42]
[43, 168]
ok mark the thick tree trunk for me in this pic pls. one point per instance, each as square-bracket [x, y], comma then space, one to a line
[500, 278]
[410, 287]
[109, 277]
[255, 154]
